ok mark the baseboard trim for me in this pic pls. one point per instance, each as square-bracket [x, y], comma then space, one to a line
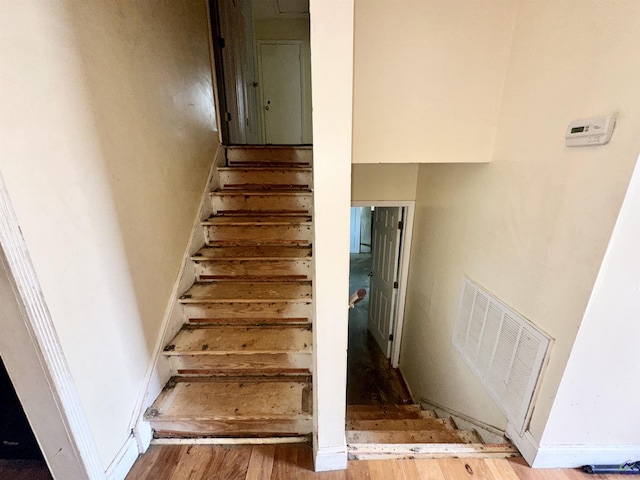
[572, 456]
[328, 459]
[124, 460]
[143, 433]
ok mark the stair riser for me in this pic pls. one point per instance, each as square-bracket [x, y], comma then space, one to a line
[208, 270]
[258, 234]
[269, 155]
[239, 364]
[221, 313]
[301, 204]
[267, 179]
[235, 428]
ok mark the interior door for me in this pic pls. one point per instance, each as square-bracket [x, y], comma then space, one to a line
[281, 92]
[385, 240]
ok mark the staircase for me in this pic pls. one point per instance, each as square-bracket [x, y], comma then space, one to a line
[383, 432]
[241, 364]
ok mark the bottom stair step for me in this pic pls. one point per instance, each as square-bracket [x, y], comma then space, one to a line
[425, 451]
[233, 407]
[413, 436]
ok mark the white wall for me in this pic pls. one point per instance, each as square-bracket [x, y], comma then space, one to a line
[428, 79]
[533, 225]
[383, 181]
[331, 63]
[597, 402]
[107, 132]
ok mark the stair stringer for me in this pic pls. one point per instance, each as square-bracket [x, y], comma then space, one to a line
[159, 372]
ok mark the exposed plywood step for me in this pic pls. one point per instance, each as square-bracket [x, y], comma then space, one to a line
[233, 407]
[257, 230]
[265, 178]
[247, 292]
[403, 424]
[215, 263]
[413, 436]
[254, 313]
[371, 451]
[388, 412]
[237, 350]
[246, 201]
[272, 155]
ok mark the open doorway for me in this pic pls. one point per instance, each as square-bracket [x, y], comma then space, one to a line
[379, 259]
[262, 62]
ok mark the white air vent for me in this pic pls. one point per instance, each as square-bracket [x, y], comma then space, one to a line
[503, 348]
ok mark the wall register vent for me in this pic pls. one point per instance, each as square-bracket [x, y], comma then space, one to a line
[504, 350]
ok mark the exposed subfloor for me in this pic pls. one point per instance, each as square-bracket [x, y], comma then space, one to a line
[370, 378]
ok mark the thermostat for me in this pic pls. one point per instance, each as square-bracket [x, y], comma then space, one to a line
[590, 131]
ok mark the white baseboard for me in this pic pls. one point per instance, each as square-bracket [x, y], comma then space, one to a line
[126, 457]
[327, 459]
[572, 456]
[143, 434]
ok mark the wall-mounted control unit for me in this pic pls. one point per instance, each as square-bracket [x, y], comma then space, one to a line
[590, 131]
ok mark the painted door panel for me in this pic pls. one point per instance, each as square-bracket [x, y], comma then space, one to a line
[281, 87]
[385, 242]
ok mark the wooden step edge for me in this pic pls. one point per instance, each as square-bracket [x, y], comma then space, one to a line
[304, 379]
[373, 451]
[295, 220]
[202, 259]
[266, 213]
[268, 163]
[291, 373]
[261, 168]
[242, 146]
[234, 351]
[210, 301]
[252, 278]
[413, 407]
[258, 243]
[221, 192]
[261, 327]
[260, 322]
[268, 187]
[231, 440]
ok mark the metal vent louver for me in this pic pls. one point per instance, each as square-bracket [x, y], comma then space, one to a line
[504, 350]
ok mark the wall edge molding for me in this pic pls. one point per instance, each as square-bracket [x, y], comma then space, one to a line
[42, 330]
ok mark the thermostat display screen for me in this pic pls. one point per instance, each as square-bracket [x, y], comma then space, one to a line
[577, 129]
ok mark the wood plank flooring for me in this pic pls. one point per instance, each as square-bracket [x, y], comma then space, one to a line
[294, 462]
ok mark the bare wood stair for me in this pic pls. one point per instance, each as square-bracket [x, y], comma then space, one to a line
[407, 431]
[241, 363]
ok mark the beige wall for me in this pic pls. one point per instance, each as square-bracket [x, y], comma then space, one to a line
[382, 181]
[291, 29]
[428, 79]
[107, 133]
[532, 226]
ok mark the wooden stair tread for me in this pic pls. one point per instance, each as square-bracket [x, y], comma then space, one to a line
[253, 252]
[261, 193]
[237, 291]
[232, 398]
[260, 168]
[399, 451]
[388, 412]
[402, 424]
[412, 436]
[258, 220]
[240, 340]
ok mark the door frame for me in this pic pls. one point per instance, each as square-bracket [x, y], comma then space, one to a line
[403, 271]
[300, 44]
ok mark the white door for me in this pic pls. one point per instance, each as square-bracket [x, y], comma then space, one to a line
[354, 238]
[281, 92]
[385, 238]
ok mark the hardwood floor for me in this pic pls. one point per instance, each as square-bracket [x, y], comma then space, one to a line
[370, 378]
[294, 462]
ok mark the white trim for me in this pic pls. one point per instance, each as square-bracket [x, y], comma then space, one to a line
[527, 445]
[158, 372]
[39, 323]
[572, 456]
[124, 460]
[328, 459]
[403, 273]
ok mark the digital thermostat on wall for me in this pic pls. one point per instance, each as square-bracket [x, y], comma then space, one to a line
[590, 131]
